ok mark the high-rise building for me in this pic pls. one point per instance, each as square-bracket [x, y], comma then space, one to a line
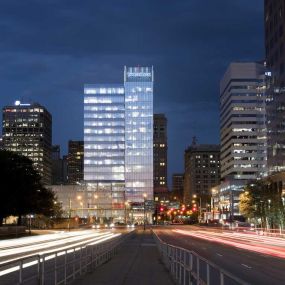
[27, 130]
[118, 142]
[242, 131]
[159, 151]
[242, 121]
[56, 166]
[275, 60]
[75, 162]
[275, 40]
[178, 185]
[202, 172]
[104, 148]
[138, 83]
[55, 152]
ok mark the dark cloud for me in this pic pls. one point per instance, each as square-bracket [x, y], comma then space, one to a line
[49, 49]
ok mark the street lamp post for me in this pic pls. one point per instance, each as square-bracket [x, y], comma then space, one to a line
[30, 224]
[200, 205]
[69, 214]
[126, 211]
[81, 204]
[79, 198]
[213, 202]
[144, 217]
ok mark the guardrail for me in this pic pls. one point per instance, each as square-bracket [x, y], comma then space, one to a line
[187, 267]
[60, 267]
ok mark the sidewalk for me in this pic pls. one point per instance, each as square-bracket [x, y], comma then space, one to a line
[137, 262]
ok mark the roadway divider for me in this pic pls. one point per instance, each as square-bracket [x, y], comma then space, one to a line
[187, 267]
[63, 266]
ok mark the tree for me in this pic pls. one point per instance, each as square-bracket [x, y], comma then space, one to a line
[22, 192]
[263, 201]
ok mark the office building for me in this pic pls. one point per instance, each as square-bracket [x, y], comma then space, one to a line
[202, 172]
[242, 121]
[138, 83]
[242, 131]
[56, 166]
[104, 148]
[275, 60]
[27, 130]
[118, 142]
[75, 161]
[177, 186]
[159, 151]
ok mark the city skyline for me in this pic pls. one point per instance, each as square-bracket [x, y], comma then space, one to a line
[150, 134]
[53, 71]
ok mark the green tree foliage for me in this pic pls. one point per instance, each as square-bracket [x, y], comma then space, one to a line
[262, 201]
[22, 192]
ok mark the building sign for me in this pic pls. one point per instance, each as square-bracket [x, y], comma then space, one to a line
[138, 74]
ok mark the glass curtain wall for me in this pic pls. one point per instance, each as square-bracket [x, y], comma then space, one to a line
[104, 151]
[138, 133]
[104, 133]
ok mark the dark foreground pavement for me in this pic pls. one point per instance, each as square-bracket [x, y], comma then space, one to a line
[137, 262]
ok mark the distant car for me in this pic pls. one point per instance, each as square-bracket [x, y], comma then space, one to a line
[120, 224]
[176, 223]
[96, 226]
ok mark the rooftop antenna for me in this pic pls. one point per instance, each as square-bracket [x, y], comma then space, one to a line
[194, 140]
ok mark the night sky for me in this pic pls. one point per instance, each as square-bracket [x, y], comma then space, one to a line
[50, 49]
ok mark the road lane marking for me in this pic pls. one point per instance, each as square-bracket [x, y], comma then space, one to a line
[246, 266]
[219, 254]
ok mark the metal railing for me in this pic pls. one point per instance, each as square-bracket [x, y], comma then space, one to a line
[187, 267]
[60, 267]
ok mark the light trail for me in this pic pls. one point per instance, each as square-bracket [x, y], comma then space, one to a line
[34, 247]
[274, 241]
[6, 244]
[60, 252]
[236, 241]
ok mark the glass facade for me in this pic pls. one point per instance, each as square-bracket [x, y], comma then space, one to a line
[118, 145]
[104, 133]
[138, 133]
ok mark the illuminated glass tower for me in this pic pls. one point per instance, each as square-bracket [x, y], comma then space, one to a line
[139, 132]
[118, 144]
[104, 133]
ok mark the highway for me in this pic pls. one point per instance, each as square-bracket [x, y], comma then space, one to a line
[45, 245]
[253, 258]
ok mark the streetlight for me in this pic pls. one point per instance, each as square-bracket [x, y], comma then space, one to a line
[30, 223]
[214, 192]
[126, 210]
[81, 204]
[200, 205]
[144, 217]
[69, 214]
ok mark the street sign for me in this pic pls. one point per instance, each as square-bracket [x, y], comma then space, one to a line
[149, 205]
[174, 205]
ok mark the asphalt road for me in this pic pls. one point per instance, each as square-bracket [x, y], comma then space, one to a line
[247, 256]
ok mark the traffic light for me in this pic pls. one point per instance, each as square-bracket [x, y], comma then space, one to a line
[194, 209]
[161, 209]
